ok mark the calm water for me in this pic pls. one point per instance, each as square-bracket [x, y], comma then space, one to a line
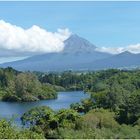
[7, 109]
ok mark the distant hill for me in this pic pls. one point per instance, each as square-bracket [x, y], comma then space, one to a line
[77, 51]
[122, 60]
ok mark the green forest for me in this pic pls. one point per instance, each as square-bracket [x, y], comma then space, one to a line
[111, 112]
[18, 86]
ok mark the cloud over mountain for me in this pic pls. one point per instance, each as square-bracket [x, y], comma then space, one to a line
[15, 40]
[110, 50]
[134, 48]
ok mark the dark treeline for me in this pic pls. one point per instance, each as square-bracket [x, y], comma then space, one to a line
[112, 111]
[90, 81]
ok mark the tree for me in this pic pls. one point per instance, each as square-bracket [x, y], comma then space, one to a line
[129, 113]
[7, 131]
[37, 116]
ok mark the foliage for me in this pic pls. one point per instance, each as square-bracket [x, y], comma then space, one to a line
[7, 131]
[112, 111]
[84, 106]
[129, 113]
[68, 124]
[44, 120]
[67, 117]
[23, 86]
[37, 116]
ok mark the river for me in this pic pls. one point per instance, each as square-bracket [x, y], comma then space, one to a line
[10, 109]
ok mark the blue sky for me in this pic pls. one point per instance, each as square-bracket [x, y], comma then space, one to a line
[105, 24]
[110, 24]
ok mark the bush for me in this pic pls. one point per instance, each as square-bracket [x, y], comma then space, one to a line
[37, 116]
[99, 118]
[9, 132]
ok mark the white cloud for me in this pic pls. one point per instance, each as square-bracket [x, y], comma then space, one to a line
[16, 40]
[135, 48]
[110, 50]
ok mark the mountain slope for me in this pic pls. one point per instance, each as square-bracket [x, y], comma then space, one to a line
[77, 50]
[122, 60]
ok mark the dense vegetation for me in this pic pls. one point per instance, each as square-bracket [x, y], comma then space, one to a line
[67, 123]
[112, 111]
[23, 86]
[7, 131]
